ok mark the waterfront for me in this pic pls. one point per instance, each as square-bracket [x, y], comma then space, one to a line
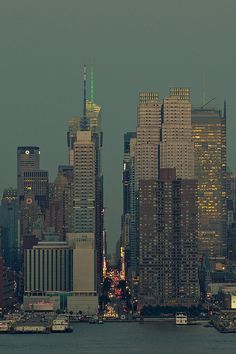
[123, 338]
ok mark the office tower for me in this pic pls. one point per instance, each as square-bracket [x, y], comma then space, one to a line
[29, 176]
[230, 188]
[28, 159]
[33, 205]
[94, 116]
[84, 262]
[9, 220]
[129, 240]
[36, 182]
[168, 241]
[60, 211]
[84, 183]
[144, 164]
[47, 267]
[177, 148]
[148, 137]
[68, 173]
[7, 284]
[31, 219]
[209, 136]
[32, 188]
[61, 276]
[85, 143]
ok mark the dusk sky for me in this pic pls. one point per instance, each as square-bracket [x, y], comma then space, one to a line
[135, 45]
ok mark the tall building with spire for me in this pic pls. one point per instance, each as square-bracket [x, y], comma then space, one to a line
[85, 143]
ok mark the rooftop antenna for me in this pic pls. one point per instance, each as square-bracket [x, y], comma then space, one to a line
[84, 120]
[225, 109]
[85, 87]
[203, 89]
[208, 102]
[92, 87]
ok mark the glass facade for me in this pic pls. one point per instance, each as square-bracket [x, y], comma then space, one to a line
[209, 136]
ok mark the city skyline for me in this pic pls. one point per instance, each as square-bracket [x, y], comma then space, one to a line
[41, 73]
[118, 176]
[73, 121]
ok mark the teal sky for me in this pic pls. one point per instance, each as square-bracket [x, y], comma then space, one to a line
[135, 45]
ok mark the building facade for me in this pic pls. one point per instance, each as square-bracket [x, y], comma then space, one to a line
[48, 267]
[84, 182]
[209, 136]
[85, 140]
[148, 137]
[129, 234]
[168, 267]
[28, 159]
[9, 221]
[177, 148]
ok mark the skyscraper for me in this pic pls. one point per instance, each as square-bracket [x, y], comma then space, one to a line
[177, 148]
[168, 241]
[166, 209]
[9, 220]
[209, 136]
[84, 183]
[148, 136]
[84, 262]
[59, 215]
[28, 159]
[47, 267]
[32, 189]
[129, 237]
[36, 182]
[84, 143]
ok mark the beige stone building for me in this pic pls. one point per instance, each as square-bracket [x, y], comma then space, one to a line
[148, 136]
[177, 148]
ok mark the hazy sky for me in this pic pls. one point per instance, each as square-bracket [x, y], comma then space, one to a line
[135, 45]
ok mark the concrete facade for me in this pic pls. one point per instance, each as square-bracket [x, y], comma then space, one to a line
[177, 148]
[168, 267]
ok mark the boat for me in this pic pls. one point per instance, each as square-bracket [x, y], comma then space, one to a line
[181, 318]
[92, 321]
[61, 325]
[100, 321]
[5, 326]
[30, 328]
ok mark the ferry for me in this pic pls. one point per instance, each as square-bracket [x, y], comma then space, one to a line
[30, 328]
[181, 318]
[5, 326]
[61, 325]
[93, 320]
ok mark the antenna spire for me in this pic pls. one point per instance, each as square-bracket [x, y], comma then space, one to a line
[85, 87]
[204, 89]
[92, 87]
[225, 111]
[84, 120]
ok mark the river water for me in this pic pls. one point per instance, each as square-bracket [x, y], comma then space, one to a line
[123, 338]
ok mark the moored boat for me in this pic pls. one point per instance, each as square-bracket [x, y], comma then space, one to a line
[61, 325]
[5, 326]
[181, 318]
